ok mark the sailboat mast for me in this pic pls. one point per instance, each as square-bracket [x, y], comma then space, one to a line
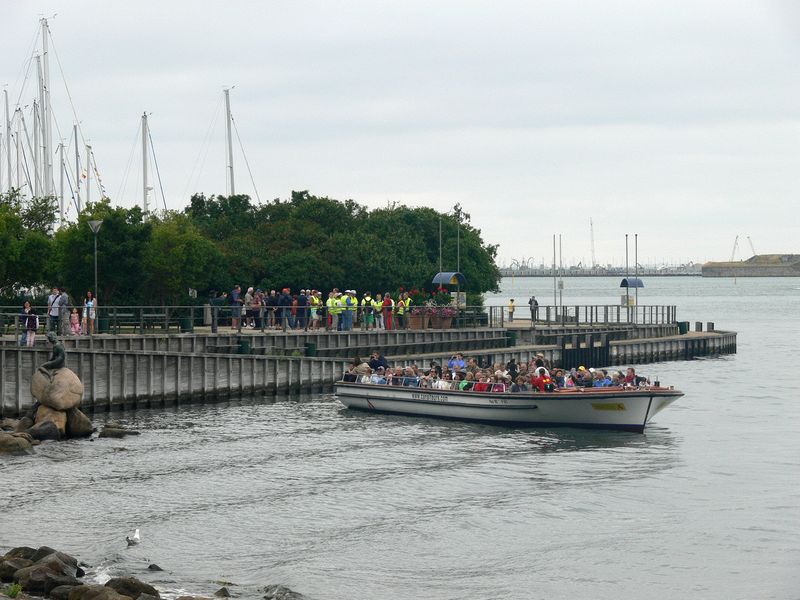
[61, 211]
[88, 171]
[8, 141]
[35, 150]
[47, 131]
[144, 162]
[228, 124]
[18, 118]
[77, 168]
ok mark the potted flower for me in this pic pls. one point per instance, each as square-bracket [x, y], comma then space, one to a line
[443, 317]
[418, 317]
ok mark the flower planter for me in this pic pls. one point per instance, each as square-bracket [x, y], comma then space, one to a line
[418, 321]
[439, 322]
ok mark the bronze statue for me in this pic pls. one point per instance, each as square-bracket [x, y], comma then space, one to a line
[58, 358]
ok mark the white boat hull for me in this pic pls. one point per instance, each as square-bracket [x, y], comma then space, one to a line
[605, 408]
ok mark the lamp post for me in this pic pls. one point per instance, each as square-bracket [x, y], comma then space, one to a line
[95, 225]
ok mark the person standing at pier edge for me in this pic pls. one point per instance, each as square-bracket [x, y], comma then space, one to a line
[377, 309]
[511, 312]
[332, 305]
[388, 309]
[302, 310]
[284, 308]
[401, 312]
[350, 307]
[30, 324]
[54, 309]
[248, 308]
[272, 306]
[236, 306]
[89, 312]
[366, 311]
[534, 308]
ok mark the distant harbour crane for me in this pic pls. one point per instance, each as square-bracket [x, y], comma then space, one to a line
[752, 249]
[735, 248]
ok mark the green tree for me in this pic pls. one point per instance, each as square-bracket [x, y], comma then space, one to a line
[25, 241]
[178, 257]
[121, 244]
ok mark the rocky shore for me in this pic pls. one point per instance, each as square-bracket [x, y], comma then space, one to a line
[27, 573]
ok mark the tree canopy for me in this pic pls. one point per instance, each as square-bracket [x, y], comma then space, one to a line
[304, 242]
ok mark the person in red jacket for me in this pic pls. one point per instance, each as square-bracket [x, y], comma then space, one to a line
[542, 382]
[388, 309]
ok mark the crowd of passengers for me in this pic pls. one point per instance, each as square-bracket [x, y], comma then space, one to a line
[466, 375]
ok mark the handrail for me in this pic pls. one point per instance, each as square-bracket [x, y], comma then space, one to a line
[141, 318]
[593, 314]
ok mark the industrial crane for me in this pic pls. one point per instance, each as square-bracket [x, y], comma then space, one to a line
[735, 248]
[749, 241]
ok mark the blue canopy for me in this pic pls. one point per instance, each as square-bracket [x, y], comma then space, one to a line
[632, 282]
[449, 278]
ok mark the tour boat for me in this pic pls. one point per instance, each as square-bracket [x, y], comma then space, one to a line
[628, 409]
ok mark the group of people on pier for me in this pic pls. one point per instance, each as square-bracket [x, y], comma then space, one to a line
[62, 316]
[309, 309]
[468, 375]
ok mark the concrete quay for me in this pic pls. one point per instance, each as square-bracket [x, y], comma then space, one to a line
[160, 370]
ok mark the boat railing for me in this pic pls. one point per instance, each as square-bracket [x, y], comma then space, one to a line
[425, 384]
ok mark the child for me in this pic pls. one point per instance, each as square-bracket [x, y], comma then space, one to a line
[75, 322]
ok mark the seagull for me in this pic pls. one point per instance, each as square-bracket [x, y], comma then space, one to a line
[132, 541]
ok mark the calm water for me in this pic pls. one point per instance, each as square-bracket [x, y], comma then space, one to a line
[342, 505]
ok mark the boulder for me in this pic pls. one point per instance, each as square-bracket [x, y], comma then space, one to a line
[46, 430]
[25, 423]
[130, 586]
[9, 566]
[146, 597]
[78, 424]
[56, 561]
[154, 567]
[116, 432]
[96, 592]
[20, 552]
[63, 392]
[222, 592]
[61, 592]
[193, 598]
[12, 444]
[59, 417]
[280, 592]
[40, 579]
[8, 424]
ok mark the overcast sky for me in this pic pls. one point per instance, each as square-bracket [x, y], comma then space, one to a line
[679, 121]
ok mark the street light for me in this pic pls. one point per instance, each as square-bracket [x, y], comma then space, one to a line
[95, 225]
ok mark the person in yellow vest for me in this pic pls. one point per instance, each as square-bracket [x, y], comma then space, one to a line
[367, 318]
[401, 311]
[511, 311]
[377, 307]
[349, 307]
[333, 310]
[313, 303]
